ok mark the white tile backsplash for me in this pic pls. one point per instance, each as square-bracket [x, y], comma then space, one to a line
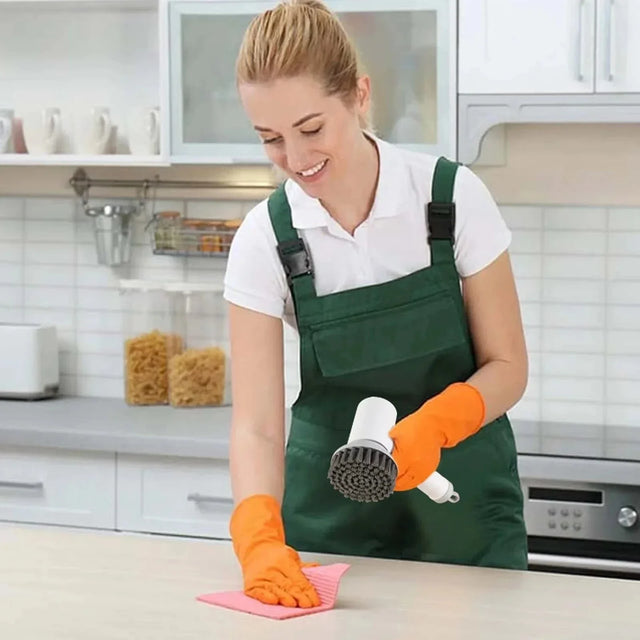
[569, 243]
[49, 231]
[624, 219]
[577, 273]
[50, 297]
[11, 208]
[624, 244]
[566, 290]
[11, 296]
[54, 275]
[11, 273]
[11, 251]
[49, 253]
[11, 230]
[575, 218]
[573, 266]
[48, 209]
[577, 316]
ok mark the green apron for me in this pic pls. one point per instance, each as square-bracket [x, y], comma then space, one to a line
[404, 340]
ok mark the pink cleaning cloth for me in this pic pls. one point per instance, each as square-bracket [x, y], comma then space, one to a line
[325, 579]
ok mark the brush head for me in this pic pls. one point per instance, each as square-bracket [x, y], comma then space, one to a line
[363, 471]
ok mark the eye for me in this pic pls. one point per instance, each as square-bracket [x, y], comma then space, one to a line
[272, 140]
[313, 132]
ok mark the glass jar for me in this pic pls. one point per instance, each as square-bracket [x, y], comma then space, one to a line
[167, 230]
[150, 341]
[199, 376]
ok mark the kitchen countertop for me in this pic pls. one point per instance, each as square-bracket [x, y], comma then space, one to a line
[109, 424]
[68, 584]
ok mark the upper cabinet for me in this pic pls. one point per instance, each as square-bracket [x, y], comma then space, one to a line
[406, 46]
[549, 46]
[519, 46]
[80, 83]
[618, 50]
[526, 61]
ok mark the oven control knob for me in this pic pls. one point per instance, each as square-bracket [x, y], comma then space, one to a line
[627, 517]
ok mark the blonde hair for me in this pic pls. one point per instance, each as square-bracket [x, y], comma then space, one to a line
[300, 37]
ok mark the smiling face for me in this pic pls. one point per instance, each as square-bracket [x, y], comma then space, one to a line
[312, 136]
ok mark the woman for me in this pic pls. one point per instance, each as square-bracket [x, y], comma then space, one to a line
[423, 312]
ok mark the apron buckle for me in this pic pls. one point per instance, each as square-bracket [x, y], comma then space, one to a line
[294, 258]
[441, 218]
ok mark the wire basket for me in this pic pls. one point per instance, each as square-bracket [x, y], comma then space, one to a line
[173, 235]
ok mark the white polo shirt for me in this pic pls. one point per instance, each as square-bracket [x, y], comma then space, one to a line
[389, 244]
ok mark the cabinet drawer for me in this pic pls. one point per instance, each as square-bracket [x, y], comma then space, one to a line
[52, 486]
[174, 495]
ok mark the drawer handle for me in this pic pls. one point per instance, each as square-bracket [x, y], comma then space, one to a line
[198, 497]
[34, 486]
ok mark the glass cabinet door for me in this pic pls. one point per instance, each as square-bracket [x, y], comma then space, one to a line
[407, 47]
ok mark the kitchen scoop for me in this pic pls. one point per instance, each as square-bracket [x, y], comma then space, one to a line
[364, 470]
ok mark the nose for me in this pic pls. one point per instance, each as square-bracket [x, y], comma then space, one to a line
[297, 156]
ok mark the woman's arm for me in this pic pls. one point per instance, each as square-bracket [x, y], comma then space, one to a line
[257, 429]
[493, 312]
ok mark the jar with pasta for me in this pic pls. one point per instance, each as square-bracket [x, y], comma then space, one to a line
[150, 341]
[199, 376]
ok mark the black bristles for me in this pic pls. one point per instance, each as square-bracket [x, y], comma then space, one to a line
[363, 474]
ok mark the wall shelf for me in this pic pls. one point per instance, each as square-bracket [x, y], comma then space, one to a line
[60, 159]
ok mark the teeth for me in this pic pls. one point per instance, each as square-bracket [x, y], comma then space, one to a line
[313, 170]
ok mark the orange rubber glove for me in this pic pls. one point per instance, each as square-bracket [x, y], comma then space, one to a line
[442, 421]
[272, 571]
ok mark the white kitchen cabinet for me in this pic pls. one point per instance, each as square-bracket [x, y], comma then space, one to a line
[519, 46]
[549, 46]
[181, 496]
[618, 50]
[53, 486]
[407, 47]
[75, 55]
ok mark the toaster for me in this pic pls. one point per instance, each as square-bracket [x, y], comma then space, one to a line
[29, 366]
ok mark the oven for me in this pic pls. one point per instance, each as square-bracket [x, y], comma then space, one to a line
[582, 513]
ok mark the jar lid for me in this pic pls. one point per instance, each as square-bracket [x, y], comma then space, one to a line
[142, 285]
[193, 287]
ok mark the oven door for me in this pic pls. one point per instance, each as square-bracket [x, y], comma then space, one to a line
[585, 557]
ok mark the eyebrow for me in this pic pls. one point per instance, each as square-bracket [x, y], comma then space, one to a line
[297, 123]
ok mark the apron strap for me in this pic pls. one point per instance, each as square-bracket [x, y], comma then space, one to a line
[292, 251]
[441, 212]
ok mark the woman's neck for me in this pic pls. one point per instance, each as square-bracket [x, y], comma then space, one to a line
[352, 200]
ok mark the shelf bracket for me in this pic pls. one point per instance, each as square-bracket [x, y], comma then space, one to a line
[479, 113]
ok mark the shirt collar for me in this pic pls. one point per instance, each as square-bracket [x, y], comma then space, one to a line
[307, 212]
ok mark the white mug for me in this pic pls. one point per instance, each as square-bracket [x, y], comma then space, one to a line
[6, 131]
[92, 131]
[143, 130]
[42, 131]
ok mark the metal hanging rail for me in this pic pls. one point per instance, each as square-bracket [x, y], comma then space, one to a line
[81, 183]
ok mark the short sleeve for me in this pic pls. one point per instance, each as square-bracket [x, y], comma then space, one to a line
[481, 232]
[254, 277]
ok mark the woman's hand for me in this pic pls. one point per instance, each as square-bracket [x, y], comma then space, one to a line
[442, 421]
[272, 571]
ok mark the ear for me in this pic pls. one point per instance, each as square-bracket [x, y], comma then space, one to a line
[363, 95]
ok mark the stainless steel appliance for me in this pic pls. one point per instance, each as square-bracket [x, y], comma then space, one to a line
[581, 487]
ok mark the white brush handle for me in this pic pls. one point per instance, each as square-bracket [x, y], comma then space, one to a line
[373, 420]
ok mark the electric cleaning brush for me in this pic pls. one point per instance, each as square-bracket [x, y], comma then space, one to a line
[364, 470]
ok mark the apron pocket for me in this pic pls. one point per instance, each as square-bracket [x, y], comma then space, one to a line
[386, 337]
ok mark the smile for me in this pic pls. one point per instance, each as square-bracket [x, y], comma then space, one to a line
[311, 172]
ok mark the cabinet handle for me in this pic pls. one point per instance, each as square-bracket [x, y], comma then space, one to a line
[35, 486]
[198, 497]
[611, 44]
[580, 47]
